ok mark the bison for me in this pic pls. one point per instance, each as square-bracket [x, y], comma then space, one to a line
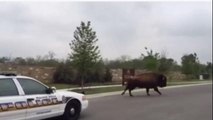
[145, 80]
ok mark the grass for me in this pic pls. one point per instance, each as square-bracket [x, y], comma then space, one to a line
[64, 86]
[120, 88]
[99, 90]
[61, 86]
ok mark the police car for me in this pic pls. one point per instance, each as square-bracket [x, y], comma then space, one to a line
[24, 98]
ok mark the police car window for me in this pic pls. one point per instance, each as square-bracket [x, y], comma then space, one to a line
[8, 87]
[32, 87]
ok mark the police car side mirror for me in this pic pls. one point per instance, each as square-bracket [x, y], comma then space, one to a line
[51, 90]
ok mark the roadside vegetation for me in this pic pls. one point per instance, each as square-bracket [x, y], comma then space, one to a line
[85, 66]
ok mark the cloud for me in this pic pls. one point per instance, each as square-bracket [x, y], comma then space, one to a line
[123, 28]
[185, 19]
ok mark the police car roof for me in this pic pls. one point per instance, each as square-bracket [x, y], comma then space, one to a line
[9, 75]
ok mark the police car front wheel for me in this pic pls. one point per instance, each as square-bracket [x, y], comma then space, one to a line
[72, 110]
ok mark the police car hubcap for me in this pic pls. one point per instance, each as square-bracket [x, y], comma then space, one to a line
[72, 111]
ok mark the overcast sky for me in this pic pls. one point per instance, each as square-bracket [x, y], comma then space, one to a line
[29, 29]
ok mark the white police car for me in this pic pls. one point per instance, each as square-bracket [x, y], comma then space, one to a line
[24, 98]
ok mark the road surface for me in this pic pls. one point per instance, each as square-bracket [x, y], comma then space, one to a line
[184, 103]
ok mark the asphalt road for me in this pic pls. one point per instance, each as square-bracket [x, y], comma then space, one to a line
[185, 103]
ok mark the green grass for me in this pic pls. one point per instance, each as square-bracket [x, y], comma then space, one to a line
[65, 86]
[61, 86]
[120, 88]
[99, 90]
[116, 88]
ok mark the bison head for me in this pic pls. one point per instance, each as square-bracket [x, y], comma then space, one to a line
[162, 81]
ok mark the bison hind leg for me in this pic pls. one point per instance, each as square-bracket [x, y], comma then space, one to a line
[130, 93]
[147, 91]
[156, 89]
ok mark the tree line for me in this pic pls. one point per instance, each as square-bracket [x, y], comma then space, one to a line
[47, 60]
[85, 64]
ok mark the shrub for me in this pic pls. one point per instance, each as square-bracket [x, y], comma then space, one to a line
[63, 74]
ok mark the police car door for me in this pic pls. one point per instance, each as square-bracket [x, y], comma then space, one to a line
[12, 105]
[40, 103]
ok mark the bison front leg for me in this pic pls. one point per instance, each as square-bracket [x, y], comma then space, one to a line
[147, 91]
[124, 91]
[156, 89]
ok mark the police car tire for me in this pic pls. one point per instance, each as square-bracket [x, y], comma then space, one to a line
[72, 106]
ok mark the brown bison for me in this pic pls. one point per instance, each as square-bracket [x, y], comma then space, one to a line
[145, 80]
